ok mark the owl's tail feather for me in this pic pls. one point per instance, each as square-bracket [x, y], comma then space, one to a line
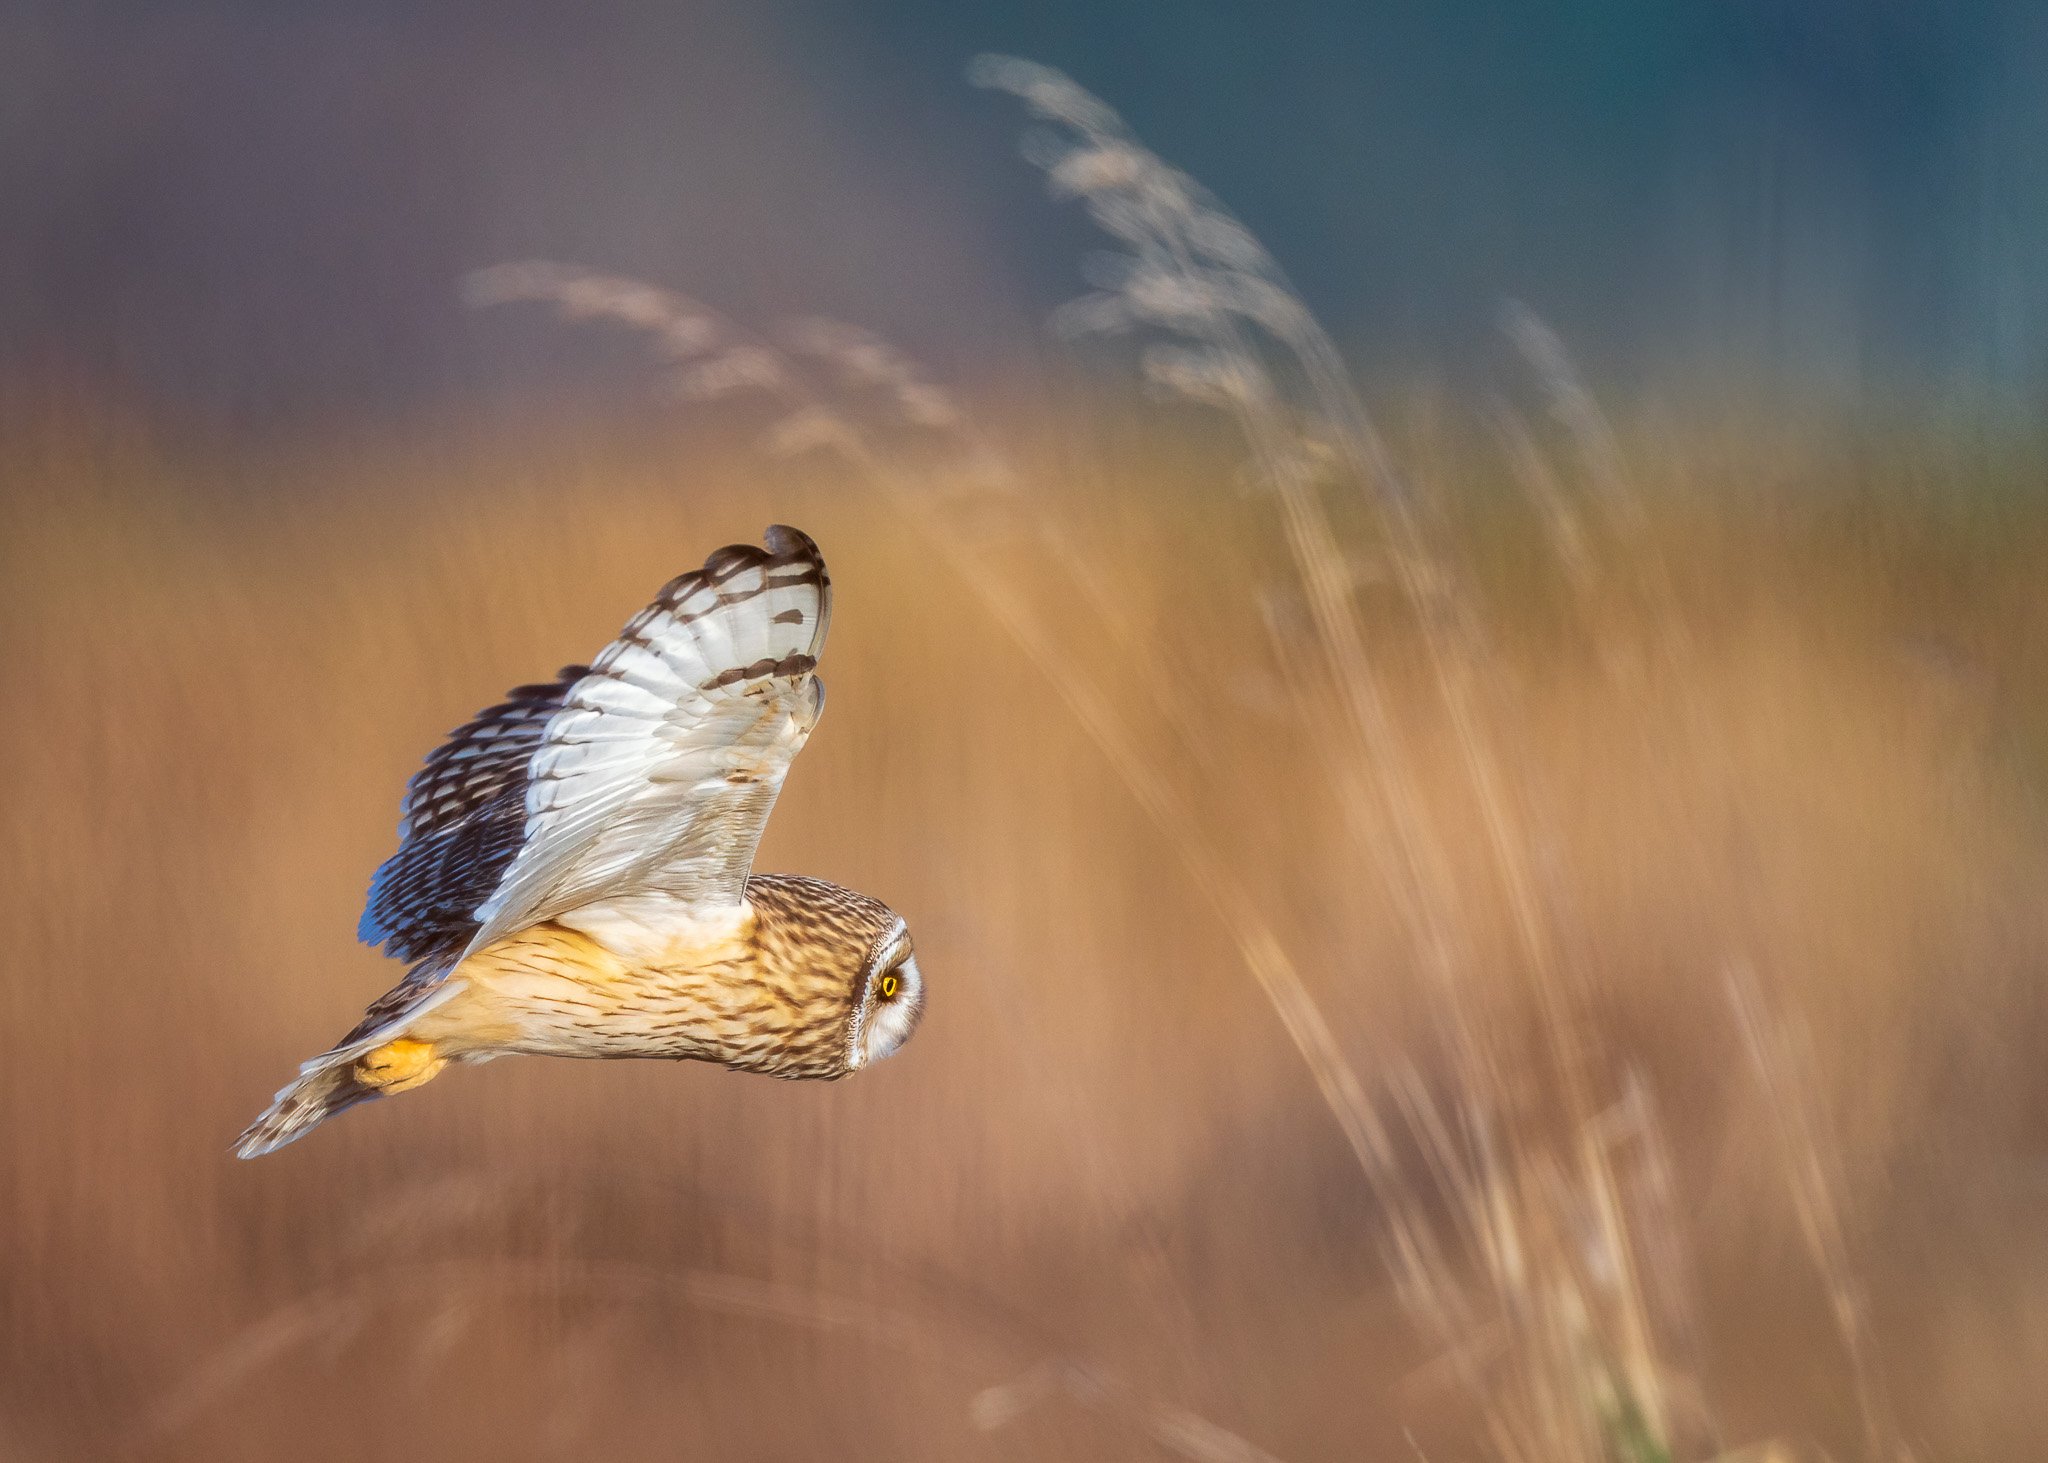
[314, 1096]
[374, 1059]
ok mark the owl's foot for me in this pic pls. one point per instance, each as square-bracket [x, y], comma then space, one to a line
[399, 1066]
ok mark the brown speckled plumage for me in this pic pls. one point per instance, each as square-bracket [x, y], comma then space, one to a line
[573, 873]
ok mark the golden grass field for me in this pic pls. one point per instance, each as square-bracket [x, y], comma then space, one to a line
[1802, 765]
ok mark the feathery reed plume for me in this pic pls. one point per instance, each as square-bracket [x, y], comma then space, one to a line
[726, 358]
[1240, 338]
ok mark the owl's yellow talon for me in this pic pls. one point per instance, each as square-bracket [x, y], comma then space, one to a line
[399, 1066]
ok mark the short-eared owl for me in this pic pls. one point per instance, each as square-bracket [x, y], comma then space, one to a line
[572, 876]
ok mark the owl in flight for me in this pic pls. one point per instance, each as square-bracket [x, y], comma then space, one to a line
[572, 876]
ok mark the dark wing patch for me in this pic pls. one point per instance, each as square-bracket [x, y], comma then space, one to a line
[460, 826]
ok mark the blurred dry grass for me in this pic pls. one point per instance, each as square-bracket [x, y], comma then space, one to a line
[1100, 1151]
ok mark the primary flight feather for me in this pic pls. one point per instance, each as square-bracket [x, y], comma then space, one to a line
[573, 876]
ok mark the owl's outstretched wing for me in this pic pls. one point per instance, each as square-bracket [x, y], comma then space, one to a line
[460, 826]
[658, 773]
[650, 772]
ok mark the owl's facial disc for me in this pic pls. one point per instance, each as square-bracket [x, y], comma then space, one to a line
[890, 1006]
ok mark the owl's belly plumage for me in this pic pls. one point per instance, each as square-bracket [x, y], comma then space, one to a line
[705, 995]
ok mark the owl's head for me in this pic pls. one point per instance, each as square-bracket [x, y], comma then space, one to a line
[850, 957]
[890, 1000]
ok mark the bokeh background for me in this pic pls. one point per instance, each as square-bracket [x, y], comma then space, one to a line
[1752, 628]
[258, 208]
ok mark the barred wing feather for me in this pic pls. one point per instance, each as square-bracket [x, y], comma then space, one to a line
[657, 775]
[652, 771]
[460, 826]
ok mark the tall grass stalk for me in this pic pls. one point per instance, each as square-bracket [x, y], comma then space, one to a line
[1247, 343]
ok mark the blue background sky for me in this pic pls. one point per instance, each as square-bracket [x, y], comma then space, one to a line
[256, 212]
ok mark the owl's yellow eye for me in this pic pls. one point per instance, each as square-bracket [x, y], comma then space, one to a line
[891, 983]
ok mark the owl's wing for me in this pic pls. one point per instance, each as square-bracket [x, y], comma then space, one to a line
[651, 772]
[460, 826]
[657, 775]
